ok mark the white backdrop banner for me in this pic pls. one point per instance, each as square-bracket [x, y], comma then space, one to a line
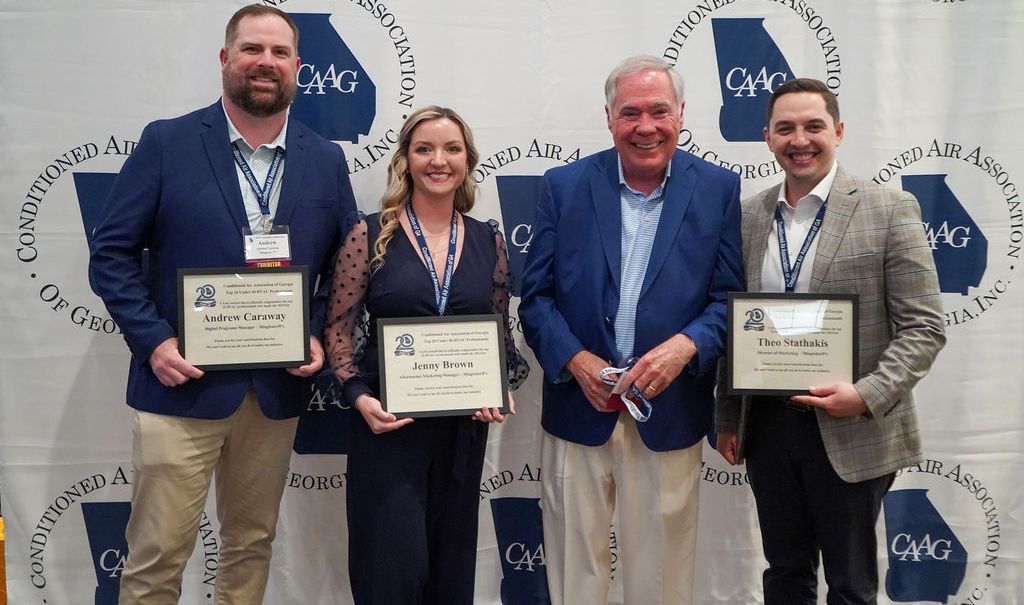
[930, 93]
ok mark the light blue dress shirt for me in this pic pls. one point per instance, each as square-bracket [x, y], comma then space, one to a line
[640, 216]
[259, 161]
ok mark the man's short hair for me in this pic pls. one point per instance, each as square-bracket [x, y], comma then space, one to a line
[637, 64]
[806, 85]
[257, 10]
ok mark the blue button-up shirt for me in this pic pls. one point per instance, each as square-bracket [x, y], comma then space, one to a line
[640, 216]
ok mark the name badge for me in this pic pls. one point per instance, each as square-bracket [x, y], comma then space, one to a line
[268, 249]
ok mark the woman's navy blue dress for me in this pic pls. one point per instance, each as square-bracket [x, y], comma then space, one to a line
[413, 493]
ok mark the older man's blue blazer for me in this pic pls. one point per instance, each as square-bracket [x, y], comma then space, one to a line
[571, 290]
[178, 195]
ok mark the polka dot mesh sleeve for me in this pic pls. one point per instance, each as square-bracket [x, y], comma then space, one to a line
[345, 323]
[515, 365]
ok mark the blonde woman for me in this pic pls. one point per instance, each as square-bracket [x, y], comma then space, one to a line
[413, 485]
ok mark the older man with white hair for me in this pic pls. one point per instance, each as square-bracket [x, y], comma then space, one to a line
[634, 249]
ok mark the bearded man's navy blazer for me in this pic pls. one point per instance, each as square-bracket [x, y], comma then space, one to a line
[571, 290]
[178, 195]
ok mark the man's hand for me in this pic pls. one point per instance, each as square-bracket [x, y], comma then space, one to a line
[840, 400]
[728, 445]
[170, 367]
[586, 368]
[316, 360]
[375, 416]
[660, 366]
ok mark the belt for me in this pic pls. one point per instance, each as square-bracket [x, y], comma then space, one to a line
[799, 407]
[786, 401]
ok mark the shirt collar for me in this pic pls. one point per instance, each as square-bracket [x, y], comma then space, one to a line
[236, 137]
[657, 191]
[820, 191]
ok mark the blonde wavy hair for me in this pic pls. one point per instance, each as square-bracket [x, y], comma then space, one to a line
[400, 183]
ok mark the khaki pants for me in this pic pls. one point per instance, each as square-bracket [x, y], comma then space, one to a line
[174, 460]
[656, 494]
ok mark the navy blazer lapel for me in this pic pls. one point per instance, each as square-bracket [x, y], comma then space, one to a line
[218, 150]
[678, 195]
[841, 203]
[604, 193]
[295, 163]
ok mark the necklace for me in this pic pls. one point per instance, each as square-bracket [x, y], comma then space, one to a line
[437, 244]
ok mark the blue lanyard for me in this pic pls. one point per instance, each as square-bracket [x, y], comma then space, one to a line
[262, 193]
[790, 275]
[440, 291]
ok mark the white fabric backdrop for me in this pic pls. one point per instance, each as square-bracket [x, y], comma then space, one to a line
[929, 89]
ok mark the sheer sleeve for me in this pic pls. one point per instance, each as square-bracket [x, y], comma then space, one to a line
[344, 332]
[515, 364]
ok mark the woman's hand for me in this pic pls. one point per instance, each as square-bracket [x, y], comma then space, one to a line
[494, 415]
[375, 416]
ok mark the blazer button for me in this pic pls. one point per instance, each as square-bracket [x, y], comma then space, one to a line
[607, 320]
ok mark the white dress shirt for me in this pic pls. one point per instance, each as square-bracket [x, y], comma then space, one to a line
[798, 223]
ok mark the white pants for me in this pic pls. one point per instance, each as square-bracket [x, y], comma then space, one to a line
[656, 494]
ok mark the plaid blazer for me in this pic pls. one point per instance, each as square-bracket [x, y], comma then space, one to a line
[871, 243]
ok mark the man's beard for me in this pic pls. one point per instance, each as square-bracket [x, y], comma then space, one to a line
[256, 102]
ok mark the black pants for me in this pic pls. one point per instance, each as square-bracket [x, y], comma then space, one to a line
[413, 500]
[805, 508]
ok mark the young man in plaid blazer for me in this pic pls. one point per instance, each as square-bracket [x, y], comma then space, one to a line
[819, 464]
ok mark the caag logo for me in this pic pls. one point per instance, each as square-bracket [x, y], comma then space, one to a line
[357, 80]
[519, 530]
[518, 194]
[928, 560]
[750, 66]
[48, 213]
[950, 231]
[756, 45]
[104, 525]
[519, 533]
[325, 425]
[323, 429]
[335, 96]
[960, 189]
[102, 500]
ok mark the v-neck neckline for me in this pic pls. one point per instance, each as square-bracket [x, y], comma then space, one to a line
[414, 246]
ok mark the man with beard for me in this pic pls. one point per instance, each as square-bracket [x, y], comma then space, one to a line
[194, 190]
